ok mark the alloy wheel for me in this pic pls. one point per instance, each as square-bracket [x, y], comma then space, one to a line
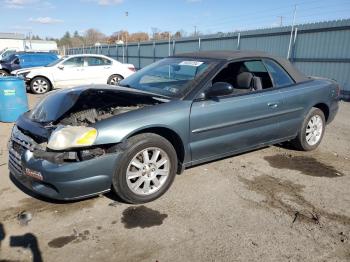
[40, 86]
[147, 171]
[115, 80]
[314, 130]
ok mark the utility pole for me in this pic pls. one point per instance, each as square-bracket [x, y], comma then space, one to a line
[195, 30]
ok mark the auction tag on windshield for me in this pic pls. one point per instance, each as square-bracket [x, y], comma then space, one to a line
[191, 63]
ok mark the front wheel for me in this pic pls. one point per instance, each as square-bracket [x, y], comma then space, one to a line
[114, 80]
[40, 85]
[146, 169]
[311, 132]
[4, 73]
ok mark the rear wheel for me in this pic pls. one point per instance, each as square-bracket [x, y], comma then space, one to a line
[311, 132]
[114, 80]
[40, 85]
[4, 73]
[146, 169]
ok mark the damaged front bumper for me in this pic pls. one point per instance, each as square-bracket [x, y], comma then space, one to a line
[58, 180]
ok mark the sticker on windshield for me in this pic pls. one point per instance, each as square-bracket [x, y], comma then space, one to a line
[191, 63]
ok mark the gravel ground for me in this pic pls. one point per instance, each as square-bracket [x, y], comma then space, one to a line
[273, 204]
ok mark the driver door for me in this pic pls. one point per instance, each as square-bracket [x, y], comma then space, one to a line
[70, 73]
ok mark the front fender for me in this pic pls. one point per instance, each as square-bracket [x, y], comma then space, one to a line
[173, 115]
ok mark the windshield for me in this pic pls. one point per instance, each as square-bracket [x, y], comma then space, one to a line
[168, 77]
[57, 61]
[9, 58]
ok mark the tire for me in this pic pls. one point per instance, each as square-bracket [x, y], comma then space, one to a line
[140, 186]
[311, 132]
[4, 73]
[40, 85]
[114, 80]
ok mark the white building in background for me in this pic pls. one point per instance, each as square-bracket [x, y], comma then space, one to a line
[12, 42]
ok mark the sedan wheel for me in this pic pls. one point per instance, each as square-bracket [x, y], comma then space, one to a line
[145, 169]
[114, 80]
[3, 73]
[311, 132]
[40, 85]
[148, 171]
[314, 130]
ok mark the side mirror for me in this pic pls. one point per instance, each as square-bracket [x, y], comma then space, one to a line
[16, 61]
[60, 67]
[220, 89]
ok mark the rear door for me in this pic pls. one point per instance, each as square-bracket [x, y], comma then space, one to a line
[97, 69]
[234, 123]
[69, 73]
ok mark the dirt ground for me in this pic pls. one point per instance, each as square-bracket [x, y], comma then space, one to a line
[273, 204]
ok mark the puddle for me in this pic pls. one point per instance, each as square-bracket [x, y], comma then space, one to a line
[142, 217]
[286, 196]
[307, 165]
[36, 206]
[65, 240]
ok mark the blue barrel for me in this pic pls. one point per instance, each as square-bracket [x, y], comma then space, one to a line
[13, 98]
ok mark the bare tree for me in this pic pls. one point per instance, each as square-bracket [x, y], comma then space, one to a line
[92, 36]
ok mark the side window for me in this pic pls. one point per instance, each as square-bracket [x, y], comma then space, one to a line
[261, 76]
[279, 75]
[16, 61]
[245, 76]
[97, 61]
[74, 62]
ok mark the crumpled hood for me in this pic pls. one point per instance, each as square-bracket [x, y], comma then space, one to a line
[58, 103]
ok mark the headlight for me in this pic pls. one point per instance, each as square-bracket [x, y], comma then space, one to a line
[72, 136]
[24, 75]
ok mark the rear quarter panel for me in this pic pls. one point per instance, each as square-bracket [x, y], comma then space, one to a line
[300, 98]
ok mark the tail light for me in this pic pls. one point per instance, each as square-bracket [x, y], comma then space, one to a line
[338, 90]
[131, 68]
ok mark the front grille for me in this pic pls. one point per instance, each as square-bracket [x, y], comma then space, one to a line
[18, 145]
[15, 160]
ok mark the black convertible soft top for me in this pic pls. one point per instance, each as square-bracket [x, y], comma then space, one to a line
[237, 55]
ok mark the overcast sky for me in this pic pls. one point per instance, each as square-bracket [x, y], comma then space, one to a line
[52, 18]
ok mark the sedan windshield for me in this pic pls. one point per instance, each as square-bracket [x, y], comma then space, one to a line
[168, 77]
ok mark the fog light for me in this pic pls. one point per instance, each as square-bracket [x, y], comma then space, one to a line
[34, 174]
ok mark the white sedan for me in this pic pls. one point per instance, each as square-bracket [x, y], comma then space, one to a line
[75, 70]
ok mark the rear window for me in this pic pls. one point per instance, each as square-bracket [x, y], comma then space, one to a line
[97, 61]
[279, 76]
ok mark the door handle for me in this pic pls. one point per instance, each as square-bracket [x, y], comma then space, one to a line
[273, 105]
[107, 67]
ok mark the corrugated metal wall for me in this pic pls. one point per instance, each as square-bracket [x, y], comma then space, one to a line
[318, 49]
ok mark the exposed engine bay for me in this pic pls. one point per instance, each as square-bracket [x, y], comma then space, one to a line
[83, 107]
[90, 116]
[66, 116]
